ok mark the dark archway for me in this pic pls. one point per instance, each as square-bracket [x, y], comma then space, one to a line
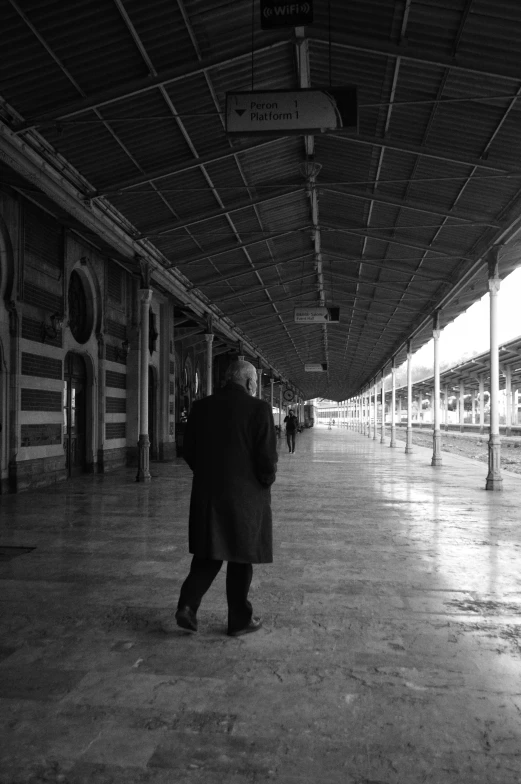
[75, 414]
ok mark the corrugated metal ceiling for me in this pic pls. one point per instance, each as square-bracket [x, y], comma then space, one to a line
[131, 97]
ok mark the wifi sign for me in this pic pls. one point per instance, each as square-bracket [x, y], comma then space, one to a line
[275, 13]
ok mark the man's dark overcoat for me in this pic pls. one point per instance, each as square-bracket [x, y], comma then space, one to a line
[230, 445]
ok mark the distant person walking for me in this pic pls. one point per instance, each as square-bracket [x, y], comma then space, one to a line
[230, 445]
[291, 423]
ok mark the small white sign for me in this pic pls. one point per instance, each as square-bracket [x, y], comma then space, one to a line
[315, 367]
[318, 315]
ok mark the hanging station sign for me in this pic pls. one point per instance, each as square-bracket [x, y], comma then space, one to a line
[292, 111]
[277, 14]
[318, 315]
[315, 367]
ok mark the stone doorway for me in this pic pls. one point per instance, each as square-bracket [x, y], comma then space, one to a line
[75, 414]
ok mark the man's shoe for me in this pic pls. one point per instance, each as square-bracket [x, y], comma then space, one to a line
[186, 619]
[254, 625]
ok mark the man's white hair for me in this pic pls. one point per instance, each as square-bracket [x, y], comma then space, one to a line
[239, 371]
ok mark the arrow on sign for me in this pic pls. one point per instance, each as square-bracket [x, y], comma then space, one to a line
[240, 112]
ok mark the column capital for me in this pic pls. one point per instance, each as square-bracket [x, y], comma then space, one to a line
[494, 285]
[436, 333]
[209, 337]
[145, 296]
[493, 261]
[145, 270]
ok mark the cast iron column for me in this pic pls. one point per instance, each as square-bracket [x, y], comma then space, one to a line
[375, 409]
[393, 404]
[382, 437]
[272, 381]
[408, 441]
[369, 410]
[209, 363]
[461, 406]
[494, 479]
[280, 406]
[259, 382]
[143, 471]
[436, 450]
[481, 403]
[508, 400]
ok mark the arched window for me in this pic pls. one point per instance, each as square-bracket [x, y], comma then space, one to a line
[80, 308]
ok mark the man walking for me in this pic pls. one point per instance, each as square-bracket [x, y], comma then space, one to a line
[291, 423]
[230, 445]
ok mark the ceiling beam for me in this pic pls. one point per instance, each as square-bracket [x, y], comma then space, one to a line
[343, 229]
[303, 67]
[376, 284]
[109, 189]
[236, 247]
[415, 149]
[194, 341]
[162, 229]
[406, 205]
[391, 265]
[140, 86]
[224, 279]
[266, 304]
[277, 285]
[278, 315]
[135, 37]
[357, 43]
[222, 350]
[181, 335]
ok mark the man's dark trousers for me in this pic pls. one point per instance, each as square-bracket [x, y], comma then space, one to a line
[290, 438]
[203, 572]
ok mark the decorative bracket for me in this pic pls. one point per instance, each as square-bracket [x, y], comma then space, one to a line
[145, 271]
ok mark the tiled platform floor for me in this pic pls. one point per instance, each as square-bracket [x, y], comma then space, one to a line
[391, 652]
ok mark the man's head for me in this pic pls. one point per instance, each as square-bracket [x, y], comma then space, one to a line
[291, 412]
[244, 374]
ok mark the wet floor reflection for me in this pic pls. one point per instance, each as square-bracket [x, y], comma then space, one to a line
[391, 622]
